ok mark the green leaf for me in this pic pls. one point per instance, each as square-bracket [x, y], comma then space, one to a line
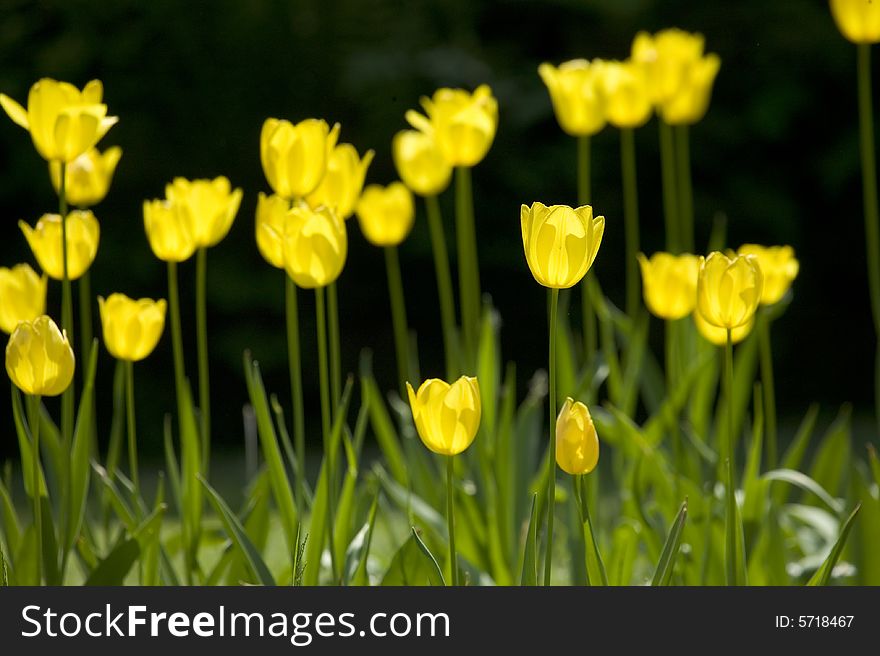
[807, 484]
[115, 567]
[359, 550]
[411, 567]
[831, 462]
[593, 558]
[383, 428]
[4, 577]
[172, 468]
[24, 447]
[823, 574]
[529, 569]
[435, 574]
[50, 544]
[624, 549]
[666, 565]
[487, 370]
[80, 451]
[10, 522]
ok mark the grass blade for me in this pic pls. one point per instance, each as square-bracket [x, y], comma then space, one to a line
[115, 567]
[529, 569]
[823, 574]
[666, 565]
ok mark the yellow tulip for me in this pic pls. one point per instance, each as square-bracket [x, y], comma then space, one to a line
[294, 157]
[718, 336]
[577, 444]
[39, 359]
[386, 214]
[63, 121]
[315, 246]
[208, 206]
[170, 236]
[446, 416]
[729, 289]
[669, 283]
[625, 86]
[420, 163]
[88, 176]
[857, 20]
[779, 266]
[560, 243]
[83, 234]
[577, 95]
[132, 328]
[22, 295]
[463, 124]
[341, 185]
[272, 216]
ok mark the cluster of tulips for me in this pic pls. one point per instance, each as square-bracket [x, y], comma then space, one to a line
[317, 184]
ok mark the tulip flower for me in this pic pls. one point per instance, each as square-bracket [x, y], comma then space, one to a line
[63, 121]
[420, 162]
[315, 245]
[577, 94]
[295, 157]
[272, 215]
[628, 100]
[22, 296]
[729, 289]
[341, 185]
[779, 266]
[857, 20]
[208, 206]
[83, 234]
[670, 284]
[88, 177]
[39, 359]
[577, 444]
[169, 233]
[718, 336]
[386, 214]
[447, 418]
[131, 327]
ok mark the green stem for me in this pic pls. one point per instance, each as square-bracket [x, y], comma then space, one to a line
[671, 380]
[728, 452]
[33, 410]
[670, 203]
[176, 336]
[581, 480]
[769, 388]
[132, 436]
[321, 321]
[685, 187]
[450, 517]
[630, 218]
[333, 338]
[295, 365]
[67, 398]
[85, 320]
[204, 374]
[584, 198]
[398, 316]
[551, 463]
[444, 285]
[468, 269]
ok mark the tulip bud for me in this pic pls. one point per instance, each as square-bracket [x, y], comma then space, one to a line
[22, 296]
[39, 360]
[857, 20]
[577, 444]
[315, 246]
[386, 214]
[170, 236]
[718, 336]
[577, 95]
[207, 206]
[294, 157]
[625, 86]
[560, 242]
[83, 234]
[779, 266]
[729, 289]
[132, 328]
[447, 417]
[341, 185]
[88, 176]
[669, 283]
[272, 215]
[420, 163]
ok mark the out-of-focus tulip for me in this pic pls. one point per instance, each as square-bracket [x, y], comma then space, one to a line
[315, 246]
[779, 266]
[88, 176]
[718, 336]
[83, 234]
[132, 328]
[341, 185]
[208, 206]
[63, 121]
[294, 157]
[169, 234]
[386, 214]
[447, 417]
[22, 295]
[625, 86]
[420, 163]
[560, 242]
[272, 216]
[463, 124]
[577, 444]
[39, 359]
[576, 92]
[857, 20]
[729, 289]
[669, 283]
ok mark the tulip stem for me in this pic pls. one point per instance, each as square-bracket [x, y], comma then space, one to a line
[176, 336]
[204, 375]
[33, 411]
[730, 526]
[132, 436]
[321, 322]
[450, 517]
[333, 338]
[468, 268]
[667, 169]
[551, 463]
[584, 194]
[444, 285]
[685, 187]
[295, 366]
[67, 398]
[672, 334]
[398, 316]
[769, 387]
[630, 218]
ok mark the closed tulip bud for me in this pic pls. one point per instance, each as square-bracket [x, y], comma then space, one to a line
[63, 121]
[341, 185]
[669, 283]
[22, 296]
[88, 176]
[447, 417]
[272, 216]
[577, 444]
[294, 157]
[625, 86]
[83, 234]
[208, 206]
[170, 236]
[718, 336]
[779, 266]
[386, 214]
[857, 20]
[560, 243]
[315, 246]
[132, 328]
[729, 289]
[463, 124]
[577, 95]
[419, 162]
[39, 359]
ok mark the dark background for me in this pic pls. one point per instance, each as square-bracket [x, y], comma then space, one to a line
[192, 82]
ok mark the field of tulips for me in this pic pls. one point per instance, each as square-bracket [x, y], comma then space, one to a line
[619, 465]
